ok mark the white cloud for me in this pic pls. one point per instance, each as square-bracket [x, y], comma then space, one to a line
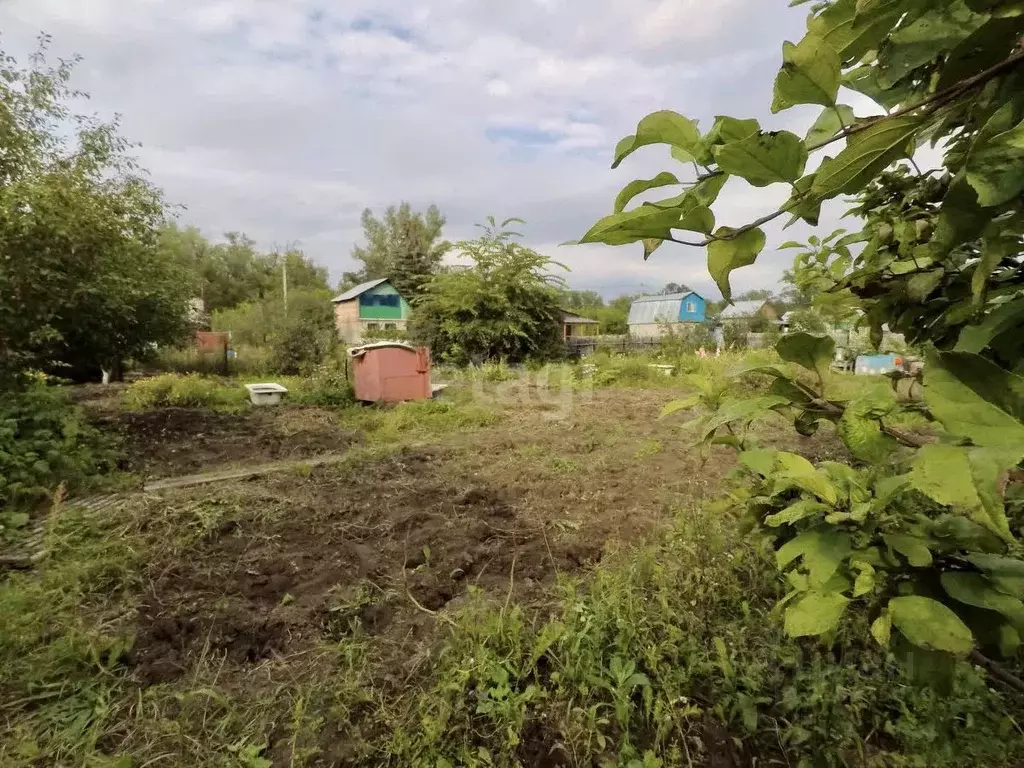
[284, 118]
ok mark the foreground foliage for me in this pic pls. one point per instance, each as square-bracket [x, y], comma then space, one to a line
[44, 441]
[669, 654]
[922, 533]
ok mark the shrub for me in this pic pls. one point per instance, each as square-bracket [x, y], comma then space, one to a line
[734, 335]
[328, 385]
[192, 390]
[45, 440]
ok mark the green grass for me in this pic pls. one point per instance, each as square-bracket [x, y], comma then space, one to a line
[455, 412]
[325, 386]
[666, 654]
[635, 666]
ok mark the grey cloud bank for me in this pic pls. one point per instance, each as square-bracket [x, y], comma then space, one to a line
[285, 118]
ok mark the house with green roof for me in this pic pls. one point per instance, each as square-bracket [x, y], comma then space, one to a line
[371, 306]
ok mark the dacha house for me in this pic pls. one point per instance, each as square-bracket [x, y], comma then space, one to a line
[651, 316]
[371, 306]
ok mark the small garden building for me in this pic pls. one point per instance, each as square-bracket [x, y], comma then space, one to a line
[652, 316]
[371, 306]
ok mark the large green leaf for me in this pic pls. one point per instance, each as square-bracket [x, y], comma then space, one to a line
[694, 215]
[1000, 328]
[943, 474]
[938, 31]
[929, 624]
[679, 405]
[864, 437]
[809, 74]
[829, 123]
[974, 589]
[664, 127]
[724, 130]
[799, 510]
[811, 351]
[867, 152]
[740, 409]
[984, 48]
[815, 614]
[997, 565]
[852, 37]
[822, 552]
[634, 188]
[974, 398]
[995, 166]
[864, 80]
[764, 158]
[631, 226]
[730, 252]
[911, 547]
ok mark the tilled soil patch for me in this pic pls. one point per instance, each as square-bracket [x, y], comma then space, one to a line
[373, 547]
[182, 441]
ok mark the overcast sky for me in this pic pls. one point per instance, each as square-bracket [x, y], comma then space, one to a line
[283, 119]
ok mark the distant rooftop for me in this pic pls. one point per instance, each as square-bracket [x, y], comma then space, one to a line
[360, 289]
[742, 309]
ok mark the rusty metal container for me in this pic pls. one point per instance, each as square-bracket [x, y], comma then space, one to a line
[390, 372]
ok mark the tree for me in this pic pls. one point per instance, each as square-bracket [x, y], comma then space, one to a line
[814, 281]
[757, 294]
[921, 536]
[503, 307]
[675, 288]
[231, 274]
[581, 300]
[83, 284]
[404, 247]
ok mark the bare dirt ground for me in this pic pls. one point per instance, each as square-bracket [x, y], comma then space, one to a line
[182, 441]
[378, 544]
[248, 585]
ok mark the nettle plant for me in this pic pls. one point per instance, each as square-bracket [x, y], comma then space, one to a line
[920, 533]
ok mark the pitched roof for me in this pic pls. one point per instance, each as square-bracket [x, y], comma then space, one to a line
[663, 308]
[666, 296]
[742, 309]
[573, 319]
[352, 293]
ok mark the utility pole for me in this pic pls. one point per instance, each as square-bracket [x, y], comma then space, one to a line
[284, 283]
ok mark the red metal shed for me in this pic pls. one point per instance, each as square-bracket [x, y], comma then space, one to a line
[390, 372]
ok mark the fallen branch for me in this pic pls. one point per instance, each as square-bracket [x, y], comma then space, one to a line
[997, 672]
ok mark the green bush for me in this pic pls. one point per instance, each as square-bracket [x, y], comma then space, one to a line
[45, 440]
[171, 390]
[327, 385]
[734, 335]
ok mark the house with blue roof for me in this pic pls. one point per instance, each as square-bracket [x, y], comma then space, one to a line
[653, 316]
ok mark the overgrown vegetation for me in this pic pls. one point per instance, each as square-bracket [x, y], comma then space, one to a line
[325, 385]
[44, 441]
[505, 306]
[924, 542]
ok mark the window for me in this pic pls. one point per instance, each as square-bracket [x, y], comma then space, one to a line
[372, 326]
[691, 306]
[380, 300]
[389, 326]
